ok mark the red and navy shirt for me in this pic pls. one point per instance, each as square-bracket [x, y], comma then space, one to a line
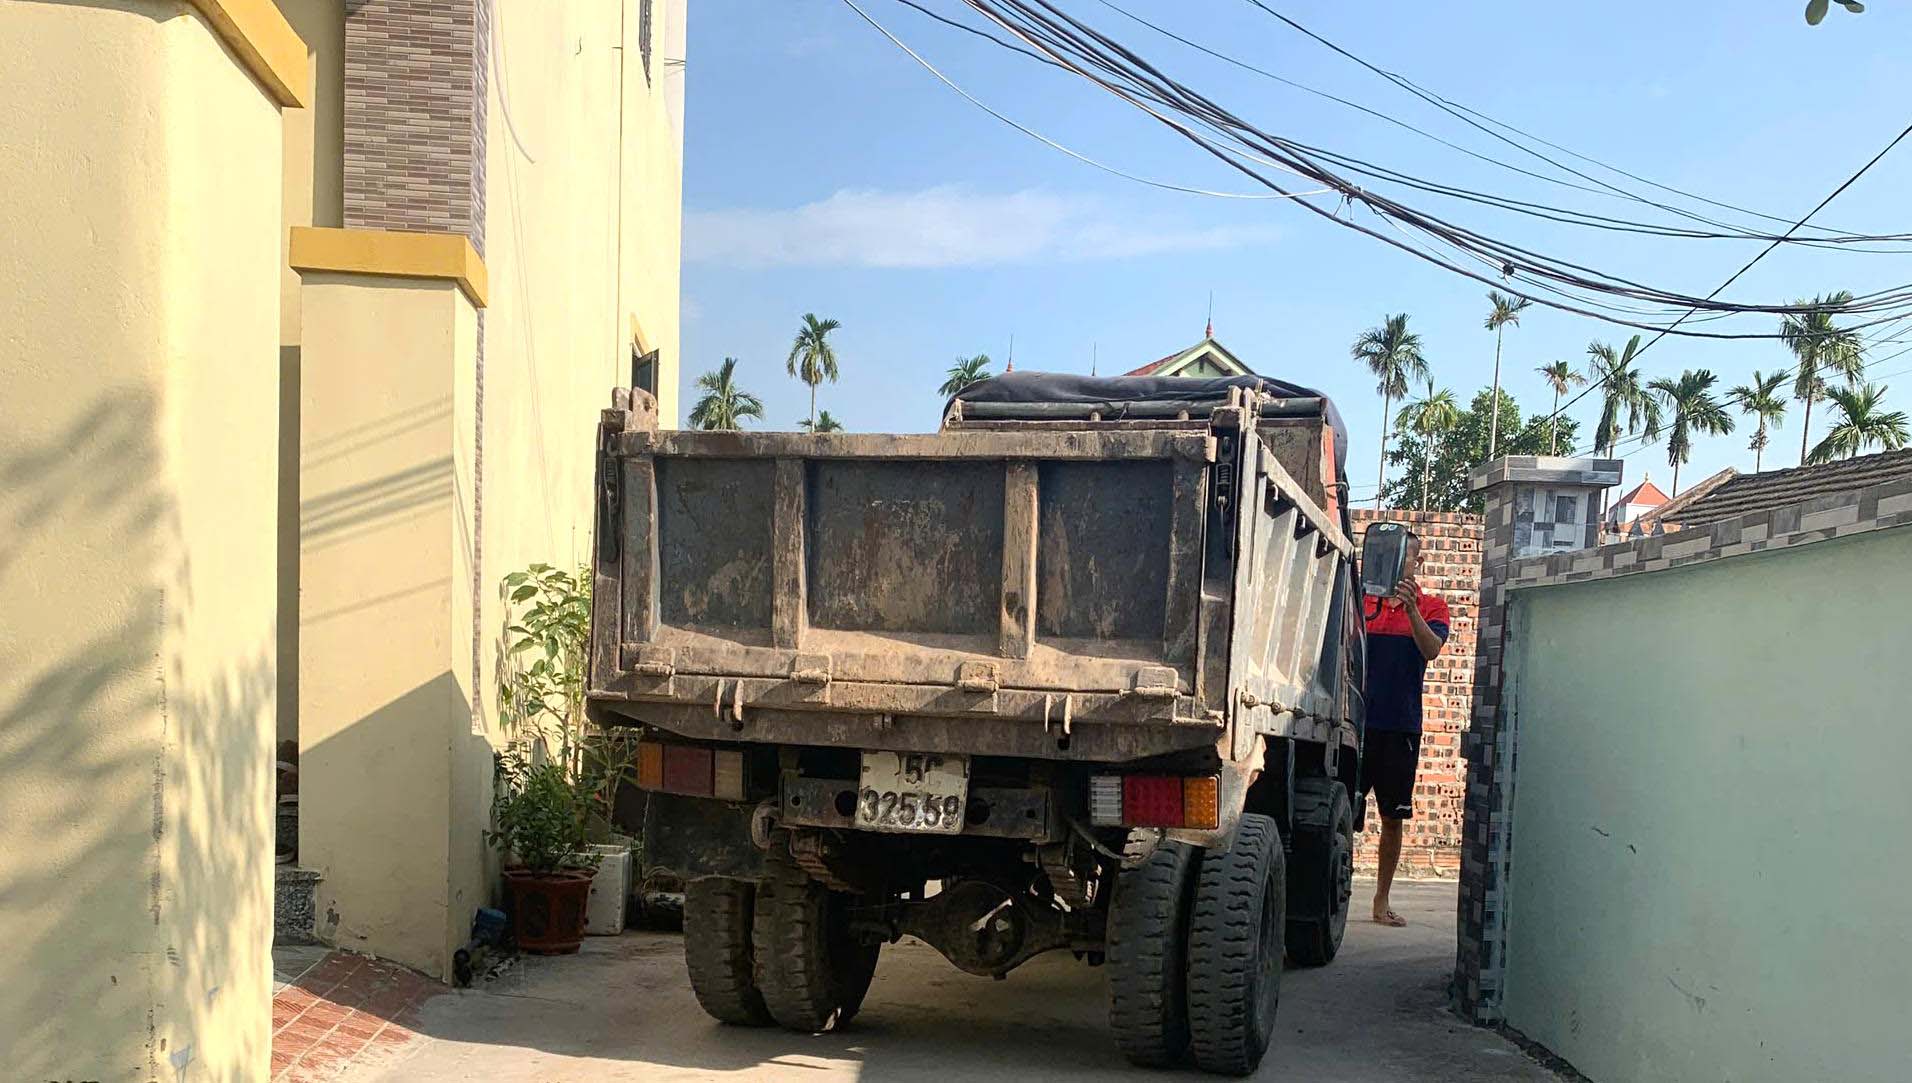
[1395, 665]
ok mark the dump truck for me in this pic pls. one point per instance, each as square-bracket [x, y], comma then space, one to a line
[1077, 672]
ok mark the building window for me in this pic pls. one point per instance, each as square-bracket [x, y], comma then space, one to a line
[644, 36]
[1566, 509]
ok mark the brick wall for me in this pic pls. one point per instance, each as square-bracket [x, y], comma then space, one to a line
[1450, 568]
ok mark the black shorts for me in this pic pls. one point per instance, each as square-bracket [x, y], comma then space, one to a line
[1388, 765]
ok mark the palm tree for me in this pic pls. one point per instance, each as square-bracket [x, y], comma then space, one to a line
[1863, 424]
[1561, 377]
[1393, 354]
[1505, 310]
[1694, 410]
[724, 405]
[1623, 393]
[823, 423]
[966, 371]
[1821, 348]
[812, 358]
[1762, 399]
[1430, 417]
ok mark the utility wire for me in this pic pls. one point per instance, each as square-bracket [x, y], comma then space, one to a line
[1043, 139]
[1845, 242]
[1457, 112]
[1747, 266]
[1135, 81]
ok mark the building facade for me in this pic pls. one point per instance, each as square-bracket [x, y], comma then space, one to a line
[309, 310]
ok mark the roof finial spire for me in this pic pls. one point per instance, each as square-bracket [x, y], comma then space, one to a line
[1095, 355]
[1011, 366]
[1209, 331]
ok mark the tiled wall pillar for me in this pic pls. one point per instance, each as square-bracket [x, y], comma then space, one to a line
[416, 83]
[1522, 518]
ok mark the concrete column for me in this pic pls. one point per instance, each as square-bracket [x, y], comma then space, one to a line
[139, 267]
[395, 759]
[1534, 505]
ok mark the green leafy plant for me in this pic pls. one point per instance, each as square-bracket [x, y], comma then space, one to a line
[1816, 9]
[539, 819]
[542, 681]
[547, 637]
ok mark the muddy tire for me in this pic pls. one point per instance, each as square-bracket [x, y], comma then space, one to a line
[1235, 940]
[1320, 871]
[718, 914]
[1148, 956]
[812, 973]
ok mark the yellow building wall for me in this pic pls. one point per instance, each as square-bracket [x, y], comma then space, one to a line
[314, 195]
[386, 730]
[563, 296]
[139, 260]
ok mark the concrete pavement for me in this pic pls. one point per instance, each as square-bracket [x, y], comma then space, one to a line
[622, 1010]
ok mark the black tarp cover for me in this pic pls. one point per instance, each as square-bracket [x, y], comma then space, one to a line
[1116, 390]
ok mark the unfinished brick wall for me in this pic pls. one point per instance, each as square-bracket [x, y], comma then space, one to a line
[1450, 568]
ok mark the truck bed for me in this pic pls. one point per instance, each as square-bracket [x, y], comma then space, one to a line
[1050, 588]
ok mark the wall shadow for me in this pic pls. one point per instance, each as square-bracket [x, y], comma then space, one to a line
[140, 866]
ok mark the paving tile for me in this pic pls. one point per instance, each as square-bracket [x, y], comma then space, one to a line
[361, 1025]
[327, 1012]
[302, 1034]
[296, 995]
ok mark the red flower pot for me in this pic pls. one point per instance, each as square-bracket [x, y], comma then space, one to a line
[547, 909]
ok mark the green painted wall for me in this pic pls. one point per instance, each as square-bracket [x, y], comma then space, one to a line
[1713, 818]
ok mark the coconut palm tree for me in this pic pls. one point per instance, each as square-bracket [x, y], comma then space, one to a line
[1393, 354]
[1695, 410]
[812, 357]
[1822, 349]
[1562, 378]
[1624, 394]
[724, 405]
[1504, 310]
[1430, 417]
[1762, 399]
[1862, 424]
[966, 371]
[823, 423]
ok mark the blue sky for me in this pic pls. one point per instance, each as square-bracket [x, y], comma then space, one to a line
[827, 172]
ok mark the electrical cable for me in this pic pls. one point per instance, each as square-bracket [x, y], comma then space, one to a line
[1045, 140]
[1074, 44]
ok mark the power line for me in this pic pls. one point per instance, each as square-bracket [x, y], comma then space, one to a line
[1133, 80]
[1748, 265]
[1038, 136]
[1456, 111]
[1846, 242]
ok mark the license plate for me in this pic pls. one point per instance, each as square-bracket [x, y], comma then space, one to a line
[922, 792]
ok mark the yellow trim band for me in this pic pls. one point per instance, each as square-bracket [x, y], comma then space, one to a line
[266, 44]
[391, 253]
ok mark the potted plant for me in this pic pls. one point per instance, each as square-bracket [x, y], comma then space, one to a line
[539, 824]
[541, 695]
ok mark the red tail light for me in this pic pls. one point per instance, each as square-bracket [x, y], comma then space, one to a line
[1152, 801]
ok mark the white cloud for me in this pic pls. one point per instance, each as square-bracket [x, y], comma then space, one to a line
[946, 226]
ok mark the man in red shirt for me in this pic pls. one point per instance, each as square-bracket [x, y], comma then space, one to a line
[1406, 631]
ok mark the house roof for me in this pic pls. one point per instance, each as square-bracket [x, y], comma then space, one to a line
[1749, 493]
[1174, 363]
[1674, 510]
[1644, 493]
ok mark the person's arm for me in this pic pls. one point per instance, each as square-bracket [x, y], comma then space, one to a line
[1430, 641]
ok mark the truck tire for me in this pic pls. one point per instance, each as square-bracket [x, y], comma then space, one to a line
[1148, 956]
[718, 913]
[1235, 938]
[1320, 871]
[812, 972]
